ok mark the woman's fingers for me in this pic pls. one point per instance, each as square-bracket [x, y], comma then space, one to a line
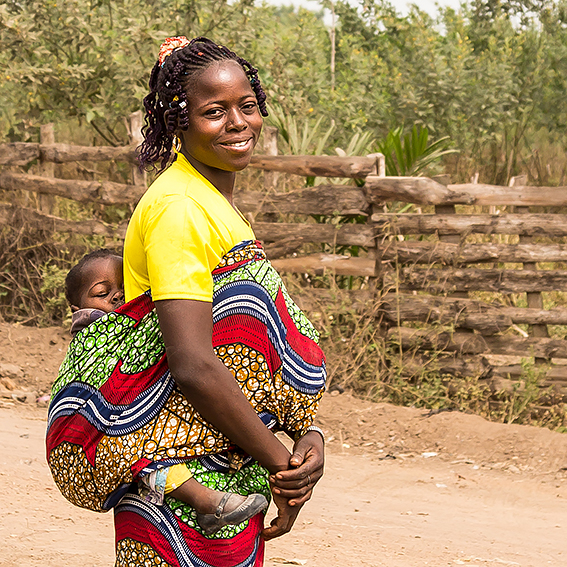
[278, 527]
[284, 521]
[294, 479]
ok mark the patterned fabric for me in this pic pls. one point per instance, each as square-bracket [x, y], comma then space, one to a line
[169, 534]
[116, 413]
[169, 46]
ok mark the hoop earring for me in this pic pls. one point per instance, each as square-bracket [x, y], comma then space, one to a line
[176, 143]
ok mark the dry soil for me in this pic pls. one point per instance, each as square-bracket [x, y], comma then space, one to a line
[402, 488]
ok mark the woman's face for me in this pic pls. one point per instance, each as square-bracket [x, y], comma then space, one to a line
[224, 120]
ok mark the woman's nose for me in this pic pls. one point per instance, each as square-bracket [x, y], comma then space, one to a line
[236, 120]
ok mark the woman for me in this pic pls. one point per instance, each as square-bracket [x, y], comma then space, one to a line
[183, 237]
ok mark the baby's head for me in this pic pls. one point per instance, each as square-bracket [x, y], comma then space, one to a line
[96, 282]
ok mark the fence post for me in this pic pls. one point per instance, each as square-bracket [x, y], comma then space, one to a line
[379, 170]
[452, 238]
[270, 149]
[135, 123]
[46, 168]
[534, 299]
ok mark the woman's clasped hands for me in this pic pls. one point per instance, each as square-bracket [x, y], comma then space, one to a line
[292, 488]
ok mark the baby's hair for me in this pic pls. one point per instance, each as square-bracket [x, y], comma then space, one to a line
[74, 280]
[168, 83]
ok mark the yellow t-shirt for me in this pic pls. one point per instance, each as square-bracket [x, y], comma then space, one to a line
[180, 230]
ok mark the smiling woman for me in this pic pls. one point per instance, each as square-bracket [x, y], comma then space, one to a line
[238, 349]
[165, 408]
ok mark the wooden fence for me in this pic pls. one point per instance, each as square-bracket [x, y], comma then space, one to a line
[423, 271]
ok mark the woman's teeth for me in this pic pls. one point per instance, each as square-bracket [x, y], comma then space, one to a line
[238, 144]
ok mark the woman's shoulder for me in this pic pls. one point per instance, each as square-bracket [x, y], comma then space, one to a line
[174, 184]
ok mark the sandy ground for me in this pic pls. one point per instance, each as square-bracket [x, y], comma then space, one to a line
[402, 488]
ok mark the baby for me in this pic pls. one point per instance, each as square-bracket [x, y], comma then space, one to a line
[94, 287]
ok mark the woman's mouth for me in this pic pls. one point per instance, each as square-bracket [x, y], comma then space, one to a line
[239, 145]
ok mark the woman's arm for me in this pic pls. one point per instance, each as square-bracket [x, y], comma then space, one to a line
[187, 327]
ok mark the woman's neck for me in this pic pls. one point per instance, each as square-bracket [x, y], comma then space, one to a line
[222, 180]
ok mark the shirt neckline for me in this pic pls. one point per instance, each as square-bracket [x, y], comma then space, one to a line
[184, 162]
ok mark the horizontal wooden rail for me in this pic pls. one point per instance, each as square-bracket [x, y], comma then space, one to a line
[319, 166]
[319, 263]
[23, 153]
[470, 279]
[418, 190]
[320, 200]
[472, 343]
[339, 235]
[104, 192]
[424, 191]
[455, 310]
[422, 252]
[90, 227]
[524, 224]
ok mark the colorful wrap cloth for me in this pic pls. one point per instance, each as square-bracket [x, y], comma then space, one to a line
[116, 413]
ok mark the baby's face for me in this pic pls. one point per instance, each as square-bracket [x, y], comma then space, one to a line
[104, 284]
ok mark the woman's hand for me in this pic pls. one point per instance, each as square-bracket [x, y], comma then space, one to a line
[306, 468]
[285, 519]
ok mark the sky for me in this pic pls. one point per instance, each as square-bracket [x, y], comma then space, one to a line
[401, 5]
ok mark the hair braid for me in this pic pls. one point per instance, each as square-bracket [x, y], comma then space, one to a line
[168, 96]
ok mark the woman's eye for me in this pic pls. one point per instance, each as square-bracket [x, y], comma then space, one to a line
[250, 106]
[214, 112]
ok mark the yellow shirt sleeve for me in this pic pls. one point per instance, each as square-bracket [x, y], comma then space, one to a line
[180, 250]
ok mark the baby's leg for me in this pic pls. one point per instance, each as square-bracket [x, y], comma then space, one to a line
[215, 509]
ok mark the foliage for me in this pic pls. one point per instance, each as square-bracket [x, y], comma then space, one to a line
[308, 139]
[409, 155]
[53, 290]
[491, 76]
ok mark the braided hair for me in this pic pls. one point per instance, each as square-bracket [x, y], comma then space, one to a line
[168, 84]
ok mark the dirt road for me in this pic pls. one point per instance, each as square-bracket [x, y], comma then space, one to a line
[402, 512]
[402, 488]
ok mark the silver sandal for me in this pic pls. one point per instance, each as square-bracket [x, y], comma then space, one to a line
[212, 523]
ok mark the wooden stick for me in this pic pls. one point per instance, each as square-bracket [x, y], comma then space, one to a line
[449, 310]
[104, 192]
[319, 263]
[502, 281]
[135, 124]
[318, 166]
[46, 168]
[424, 252]
[424, 191]
[320, 200]
[466, 343]
[342, 235]
[55, 224]
[531, 224]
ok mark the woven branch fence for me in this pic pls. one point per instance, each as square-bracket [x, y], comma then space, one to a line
[421, 271]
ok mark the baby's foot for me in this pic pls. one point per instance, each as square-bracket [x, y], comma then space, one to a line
[232, 509]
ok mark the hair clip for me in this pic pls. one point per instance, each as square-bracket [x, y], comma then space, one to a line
[200, 53]
[167, 83]
[169, 46]
[183, 104]
[175, 98]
